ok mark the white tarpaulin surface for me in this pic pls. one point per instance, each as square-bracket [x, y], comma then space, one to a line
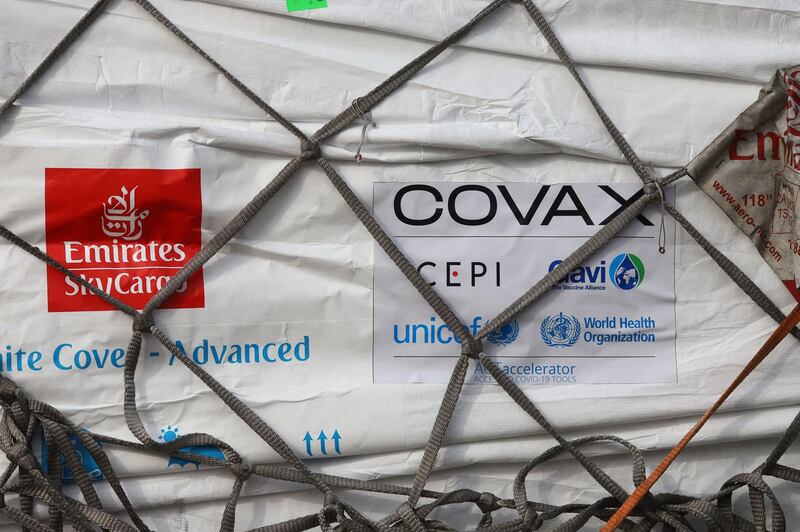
[296, 285]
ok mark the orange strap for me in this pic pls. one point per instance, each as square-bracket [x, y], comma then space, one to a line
[642, 489]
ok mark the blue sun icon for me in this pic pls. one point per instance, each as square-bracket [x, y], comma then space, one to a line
[168, 433]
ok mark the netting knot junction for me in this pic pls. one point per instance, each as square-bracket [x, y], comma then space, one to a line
[8, 390]
[309, 149]
[143, 322]
[242, 470]
[472, 348]
[19, 453]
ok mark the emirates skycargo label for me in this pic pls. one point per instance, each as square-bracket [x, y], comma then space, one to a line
[126, 231]
[752, 171]
[611, 319]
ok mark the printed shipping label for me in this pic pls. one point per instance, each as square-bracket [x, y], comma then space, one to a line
[752, 171]
[481, 246]
[126, 231]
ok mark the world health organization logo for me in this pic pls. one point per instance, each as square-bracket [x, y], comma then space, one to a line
[627, 271]
[505, 334]
[560, 330]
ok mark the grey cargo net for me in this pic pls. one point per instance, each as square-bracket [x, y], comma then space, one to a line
[24, 416]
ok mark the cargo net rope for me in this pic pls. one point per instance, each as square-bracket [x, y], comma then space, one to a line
[24, 417]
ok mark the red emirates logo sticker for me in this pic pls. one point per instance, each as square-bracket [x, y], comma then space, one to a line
[126, 231]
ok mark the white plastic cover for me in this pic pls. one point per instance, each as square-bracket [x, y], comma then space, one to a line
[497, 108]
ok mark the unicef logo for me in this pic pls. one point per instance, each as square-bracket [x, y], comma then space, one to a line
[627, 271]
[505, 334]
[560, 330]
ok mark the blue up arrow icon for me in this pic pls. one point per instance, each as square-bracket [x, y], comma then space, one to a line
[321, 442]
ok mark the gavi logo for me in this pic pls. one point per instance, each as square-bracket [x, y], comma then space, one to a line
[627, 271]
[126, 231]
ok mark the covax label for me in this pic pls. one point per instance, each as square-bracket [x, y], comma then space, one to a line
[482, 245]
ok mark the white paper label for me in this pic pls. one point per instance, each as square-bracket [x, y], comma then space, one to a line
[482, 245]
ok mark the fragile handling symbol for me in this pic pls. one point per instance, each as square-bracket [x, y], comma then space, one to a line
[322, 438]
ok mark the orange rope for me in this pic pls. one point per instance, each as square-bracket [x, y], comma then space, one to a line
[642, 489]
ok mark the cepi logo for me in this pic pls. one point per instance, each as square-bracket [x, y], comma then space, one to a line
[458, 273]
[506, 334]
[560, 330]
[627, 271]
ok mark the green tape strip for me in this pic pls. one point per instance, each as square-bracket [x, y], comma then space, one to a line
[301, 5]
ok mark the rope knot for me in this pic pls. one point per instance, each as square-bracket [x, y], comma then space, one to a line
[143, 322]
[487, 502]
[20, 454]
[410, 517]
[655, 190]
[309, 149]
[8, 390]
[331, 512]
[472, 348]
[242, 470]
